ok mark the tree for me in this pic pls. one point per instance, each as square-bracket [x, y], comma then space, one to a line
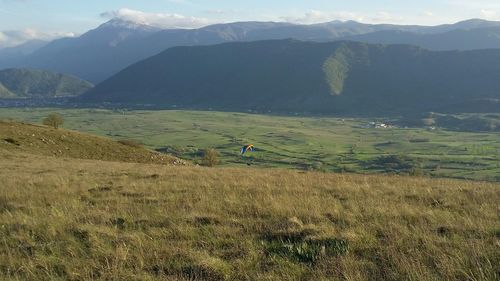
[210, 157]
[54, 120]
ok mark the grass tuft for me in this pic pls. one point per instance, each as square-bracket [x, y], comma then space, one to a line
[5, 205]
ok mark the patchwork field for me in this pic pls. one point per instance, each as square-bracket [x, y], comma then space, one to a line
[319, 143]
[70, 219]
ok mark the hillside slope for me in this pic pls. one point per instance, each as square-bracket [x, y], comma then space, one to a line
[32, 83]
[68, 219]
[5, 93]
[94, 55]
[41, 140]
[468, 39]
[19, 51]
[290, 75]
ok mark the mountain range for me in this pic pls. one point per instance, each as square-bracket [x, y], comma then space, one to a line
[23, 50]
[32, 83]
[297, 76]
[102, 52]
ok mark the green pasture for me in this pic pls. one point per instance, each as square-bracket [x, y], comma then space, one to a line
[320, 143]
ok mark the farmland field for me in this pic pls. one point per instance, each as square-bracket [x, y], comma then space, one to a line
[314, 143]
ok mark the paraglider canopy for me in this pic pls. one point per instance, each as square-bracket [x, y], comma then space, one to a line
[248, 147]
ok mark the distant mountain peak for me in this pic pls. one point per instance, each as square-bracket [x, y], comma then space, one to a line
[472, 21]
[476, 23]
[340, 23]
[120, 42]
[117, 31]
[127, 24]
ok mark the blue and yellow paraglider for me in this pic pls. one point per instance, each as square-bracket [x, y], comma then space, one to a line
[246, 148]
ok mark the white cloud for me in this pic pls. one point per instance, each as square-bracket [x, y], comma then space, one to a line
[163, 20]
[428, 14]
[489, 14]
[386, 17]
[315, 16]
[486, 9]
[10, 38]
[220, 12]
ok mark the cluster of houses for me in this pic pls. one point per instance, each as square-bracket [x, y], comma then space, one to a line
[378, 125]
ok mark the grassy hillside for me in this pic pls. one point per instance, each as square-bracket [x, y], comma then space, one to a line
[319, 143]
[31, 83]
[295, 76]
[5, 93]
[34, 139]
[68, 219]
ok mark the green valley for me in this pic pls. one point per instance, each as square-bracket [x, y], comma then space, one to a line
[311, 143]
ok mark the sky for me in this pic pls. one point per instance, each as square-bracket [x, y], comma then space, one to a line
[22, 20]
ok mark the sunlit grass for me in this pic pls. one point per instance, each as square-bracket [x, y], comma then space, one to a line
[67, 219]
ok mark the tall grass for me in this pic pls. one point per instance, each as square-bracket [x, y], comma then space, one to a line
[66, 219]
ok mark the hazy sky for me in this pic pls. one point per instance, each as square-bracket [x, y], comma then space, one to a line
[27, 19]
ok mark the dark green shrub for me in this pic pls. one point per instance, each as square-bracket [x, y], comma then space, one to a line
[393, 163]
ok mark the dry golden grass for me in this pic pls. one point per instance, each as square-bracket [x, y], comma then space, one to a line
[43, 140]
[67, 219]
